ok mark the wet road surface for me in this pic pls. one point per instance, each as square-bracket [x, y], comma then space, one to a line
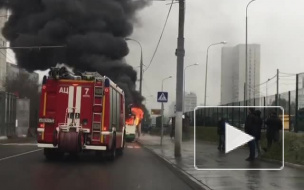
[208, 156]
[23, 166]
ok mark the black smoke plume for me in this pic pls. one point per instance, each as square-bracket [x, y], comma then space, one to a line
[93, 32]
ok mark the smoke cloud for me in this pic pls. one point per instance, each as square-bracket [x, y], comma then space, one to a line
[92, 30]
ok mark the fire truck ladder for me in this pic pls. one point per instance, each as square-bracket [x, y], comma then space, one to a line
[97, 102]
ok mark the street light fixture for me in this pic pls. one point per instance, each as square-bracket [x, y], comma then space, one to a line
[223, 42]
[141, 64]
[246, 55]
[162, 112]
[185, 83]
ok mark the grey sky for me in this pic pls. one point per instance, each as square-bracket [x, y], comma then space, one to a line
[275, 24]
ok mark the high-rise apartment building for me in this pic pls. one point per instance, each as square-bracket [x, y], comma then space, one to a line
[233, 73]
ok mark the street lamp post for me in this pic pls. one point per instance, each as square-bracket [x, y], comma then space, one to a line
[185, 84]
[162, 112]
[141, 64]
[223, 42]
[246, 56]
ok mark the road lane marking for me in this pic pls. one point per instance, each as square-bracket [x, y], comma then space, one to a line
[17, 155]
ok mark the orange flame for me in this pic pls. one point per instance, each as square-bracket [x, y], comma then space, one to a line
[130, 121]
[139, 115]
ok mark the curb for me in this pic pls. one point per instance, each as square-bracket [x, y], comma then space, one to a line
[298, 166]
[292, 165]
[187, 178]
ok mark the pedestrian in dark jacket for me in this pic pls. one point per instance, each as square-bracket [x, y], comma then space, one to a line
[258, 124]
[274, 125]
[250, 129]
[221, 132]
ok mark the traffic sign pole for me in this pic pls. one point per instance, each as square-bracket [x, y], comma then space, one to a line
[162, 97]
[162, 124]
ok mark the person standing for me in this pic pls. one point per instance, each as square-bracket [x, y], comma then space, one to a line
[221, 133]
[258, 124]
[250, 129]
[274, 125]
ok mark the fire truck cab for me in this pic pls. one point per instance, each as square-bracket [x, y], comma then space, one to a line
[78, 113]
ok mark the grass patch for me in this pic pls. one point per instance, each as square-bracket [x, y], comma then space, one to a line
[275, 152]
[293, 149]
[207, 134]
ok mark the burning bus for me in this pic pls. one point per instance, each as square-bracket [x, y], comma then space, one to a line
[133, 124]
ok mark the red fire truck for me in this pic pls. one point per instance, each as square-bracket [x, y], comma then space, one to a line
[78, 113]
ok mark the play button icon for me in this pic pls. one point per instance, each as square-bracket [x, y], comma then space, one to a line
[235, 138]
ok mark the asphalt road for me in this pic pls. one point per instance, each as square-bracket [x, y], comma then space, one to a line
[23, 166]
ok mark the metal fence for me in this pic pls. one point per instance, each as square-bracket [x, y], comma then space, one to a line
[7, 114]
[291, 101]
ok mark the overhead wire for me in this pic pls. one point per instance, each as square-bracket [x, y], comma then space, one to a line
[145, 86]
[161, 35]
[287, 73]
[265, 81]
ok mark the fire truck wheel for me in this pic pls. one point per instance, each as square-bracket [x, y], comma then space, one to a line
[80, 141]
[112, 151]
[55, 139]
[120, 150]
[53, 154]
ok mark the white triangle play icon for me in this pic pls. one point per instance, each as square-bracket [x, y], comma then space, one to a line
[235, 138]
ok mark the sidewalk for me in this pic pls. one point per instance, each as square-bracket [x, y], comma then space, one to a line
[288, 178]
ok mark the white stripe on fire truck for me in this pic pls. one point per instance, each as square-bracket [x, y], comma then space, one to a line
[70, 101]
[78, 102]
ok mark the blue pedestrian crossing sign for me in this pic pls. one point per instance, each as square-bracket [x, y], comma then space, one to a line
[162, 96]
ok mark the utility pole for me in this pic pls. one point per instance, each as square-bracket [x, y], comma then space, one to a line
[180, 53]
